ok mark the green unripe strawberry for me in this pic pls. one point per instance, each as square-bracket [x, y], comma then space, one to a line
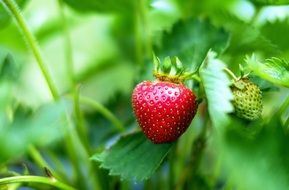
[247, 99]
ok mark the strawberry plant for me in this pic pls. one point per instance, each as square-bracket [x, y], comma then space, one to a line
[148, 94]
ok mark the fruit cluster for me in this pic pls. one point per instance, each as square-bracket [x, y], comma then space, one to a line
[164, 108]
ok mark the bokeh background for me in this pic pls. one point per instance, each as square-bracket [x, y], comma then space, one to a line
[101, 50]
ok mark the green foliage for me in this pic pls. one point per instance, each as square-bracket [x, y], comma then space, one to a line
[270, 2]
[9, 70]
[43, 127]
[5, 17]
[133, 157]
[8, 75]
[264, 85]
[190, 40]
[275, 30]
[274, 70]
[246, 38]
[11, 38]
[122, 75]
[95, 51]
[108, 6]
[5, 101]
[258, 159]
[216, 85]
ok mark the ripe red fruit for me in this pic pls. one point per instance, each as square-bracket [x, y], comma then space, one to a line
[164, 110]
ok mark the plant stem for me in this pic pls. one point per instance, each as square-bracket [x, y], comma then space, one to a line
[172, 160]
[59, 167]
[192, 76]
[145, 27]
[80, 158]
[137, 35]
[67, 44]
[36, 179]
[198, 147]
[82, 141]
[69, 65]
[37, 157]
[79, 118]
[104, 111]
[230, 73]
[13, 9]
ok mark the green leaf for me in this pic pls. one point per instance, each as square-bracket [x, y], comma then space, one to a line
[107, 6]
[270, 2]
[264, 85]
[5, 95]
[217, 88]
[246, 40]
[133, 157]
[9, 69]
[274, 70]
[120, 73]
[259, 160]
[9, 73]
[190, 40]
[275, 32]
[4, 15]
[40, 129]
[161, 16]
[244, 37]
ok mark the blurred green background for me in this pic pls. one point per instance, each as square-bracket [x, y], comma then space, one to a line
[96, 51]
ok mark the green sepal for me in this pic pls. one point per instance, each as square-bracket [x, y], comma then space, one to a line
[239, 84]
[167, 65]
[170, 69]
[156, 62]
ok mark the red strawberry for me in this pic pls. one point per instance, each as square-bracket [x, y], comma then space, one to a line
[164, 110]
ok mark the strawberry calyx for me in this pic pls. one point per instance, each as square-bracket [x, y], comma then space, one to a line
[240, 84]
[172, 70]
[237, 82]
[234, 77]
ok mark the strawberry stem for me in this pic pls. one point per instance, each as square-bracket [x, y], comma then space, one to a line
[232, 75]
[191, 76]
